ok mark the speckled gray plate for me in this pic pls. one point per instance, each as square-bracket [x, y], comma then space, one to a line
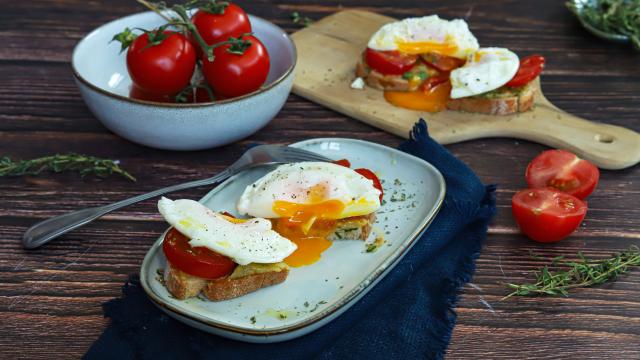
[314, 295]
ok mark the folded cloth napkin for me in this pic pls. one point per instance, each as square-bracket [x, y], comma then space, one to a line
[408, 315]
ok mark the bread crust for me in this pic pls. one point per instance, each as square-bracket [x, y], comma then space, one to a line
[227, 288]
[519, 102]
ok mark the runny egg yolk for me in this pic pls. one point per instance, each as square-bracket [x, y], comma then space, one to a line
[307, 225]
[432, 100]
[423, 47]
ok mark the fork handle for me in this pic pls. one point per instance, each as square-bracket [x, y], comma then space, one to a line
[47, 230]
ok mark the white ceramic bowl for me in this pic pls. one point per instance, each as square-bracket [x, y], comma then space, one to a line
[101, 75]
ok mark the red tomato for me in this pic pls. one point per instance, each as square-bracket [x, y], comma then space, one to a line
[442, 63]
[434, 81]
[530, 68]
[343, 162]
[231, 74]
[196, 261]
[137, 93]
[564, 171]
[217, 23]
[164, 68]
[371, 176]
[547, 215]
[390, 62]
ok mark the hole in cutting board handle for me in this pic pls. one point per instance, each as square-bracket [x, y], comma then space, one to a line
[604, 138]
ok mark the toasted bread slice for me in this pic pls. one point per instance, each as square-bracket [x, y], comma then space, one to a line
[502, 101]
[353, 228]
[249, 278]
[243, 280]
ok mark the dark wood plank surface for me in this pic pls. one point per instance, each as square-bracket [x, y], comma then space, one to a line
[50, 298]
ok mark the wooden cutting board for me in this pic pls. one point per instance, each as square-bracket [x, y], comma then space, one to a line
[329, 49]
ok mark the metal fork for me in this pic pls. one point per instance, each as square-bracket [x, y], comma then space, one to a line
[47, 230]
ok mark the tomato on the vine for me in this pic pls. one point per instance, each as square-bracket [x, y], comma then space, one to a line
[389, 62]
[239, 68]
[547, 215]
[197, 261]
[161, 62]
[217, 22]
[136, 93]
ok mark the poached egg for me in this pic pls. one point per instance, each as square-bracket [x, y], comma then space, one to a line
[247, 241]
[421, 35]
[305, 200]
[485, 70]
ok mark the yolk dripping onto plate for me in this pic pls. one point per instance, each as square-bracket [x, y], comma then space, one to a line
[307, 225]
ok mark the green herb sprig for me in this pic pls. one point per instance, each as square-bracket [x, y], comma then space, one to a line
[612, 16]
[577, 274]
[83, 164]
[300, 20]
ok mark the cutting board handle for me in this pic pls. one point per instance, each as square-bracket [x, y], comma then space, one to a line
[608, 146]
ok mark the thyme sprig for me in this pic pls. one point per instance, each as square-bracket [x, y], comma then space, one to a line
[612, 16]
[83, 164]
[577, 274]
[300, 20]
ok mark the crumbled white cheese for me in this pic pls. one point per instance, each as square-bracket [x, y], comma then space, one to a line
[358, 84]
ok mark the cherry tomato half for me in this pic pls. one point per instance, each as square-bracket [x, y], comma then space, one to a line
[371, 176]
[197, 261]
[530, 68]
[564, 171]
[547, 215]
[231, 74]
[164, 68]
[343, 162]
[433, 81]
[390, 62]
[217, 22]
[442, 63]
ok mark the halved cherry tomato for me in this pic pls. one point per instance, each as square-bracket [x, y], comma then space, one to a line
[343, 162]
[233, 74]
[530, 68]
[433, 81]
[390, 62]
[371, 176]
[164, 68]
[564, 171]
[442, 63]
[547, 215]
[196, 261]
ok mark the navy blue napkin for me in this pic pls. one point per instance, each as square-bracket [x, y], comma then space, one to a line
[408, 315]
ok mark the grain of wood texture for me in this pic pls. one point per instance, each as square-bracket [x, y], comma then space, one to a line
[326, 80]
[55, 293]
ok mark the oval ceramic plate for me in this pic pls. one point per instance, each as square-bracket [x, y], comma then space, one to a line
[316, 294]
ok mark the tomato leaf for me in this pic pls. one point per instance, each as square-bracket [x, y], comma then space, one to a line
[126, 37]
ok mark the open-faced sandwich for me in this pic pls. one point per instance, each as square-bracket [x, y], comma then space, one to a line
[313, 204]
[218, 255]
[298, 210]
[431, 64]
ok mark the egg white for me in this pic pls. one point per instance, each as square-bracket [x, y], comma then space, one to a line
[291, 183]
[485, 70]
[426, 29]
[252, 241]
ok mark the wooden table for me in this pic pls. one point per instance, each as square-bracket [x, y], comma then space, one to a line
[53, 295]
